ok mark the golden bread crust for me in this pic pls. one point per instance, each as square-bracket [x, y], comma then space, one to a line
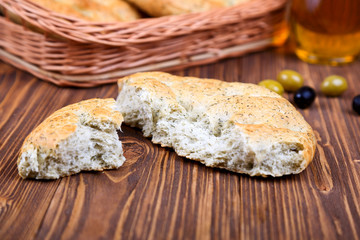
[158, 8]
[93, 10]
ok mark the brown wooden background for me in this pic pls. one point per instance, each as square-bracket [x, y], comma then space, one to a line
[158, 195]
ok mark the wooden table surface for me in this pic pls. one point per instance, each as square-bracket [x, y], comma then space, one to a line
[158, 195]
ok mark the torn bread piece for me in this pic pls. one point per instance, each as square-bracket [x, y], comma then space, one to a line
[78, 137]
[240, 127]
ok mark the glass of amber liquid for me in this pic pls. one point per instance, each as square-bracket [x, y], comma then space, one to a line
[326, 31]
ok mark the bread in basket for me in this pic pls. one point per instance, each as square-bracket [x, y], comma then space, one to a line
[72, 52]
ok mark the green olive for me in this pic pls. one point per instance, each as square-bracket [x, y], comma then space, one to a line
[273, 85]
[290, 80]
[333, 85]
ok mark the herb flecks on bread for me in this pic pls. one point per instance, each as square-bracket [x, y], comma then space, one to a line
[241, 127]
[78, 137]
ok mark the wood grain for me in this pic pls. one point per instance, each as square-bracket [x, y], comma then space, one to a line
[158, 195]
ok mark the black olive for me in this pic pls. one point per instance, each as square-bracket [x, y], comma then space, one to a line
[304, 97]
[356, 104]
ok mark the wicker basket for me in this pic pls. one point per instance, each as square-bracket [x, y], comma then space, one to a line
[71, 52]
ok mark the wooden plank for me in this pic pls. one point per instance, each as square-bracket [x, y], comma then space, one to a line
[158, 195]
[20, 214]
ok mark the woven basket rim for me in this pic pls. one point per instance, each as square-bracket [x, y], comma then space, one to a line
[111, 77]
[133, 32]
